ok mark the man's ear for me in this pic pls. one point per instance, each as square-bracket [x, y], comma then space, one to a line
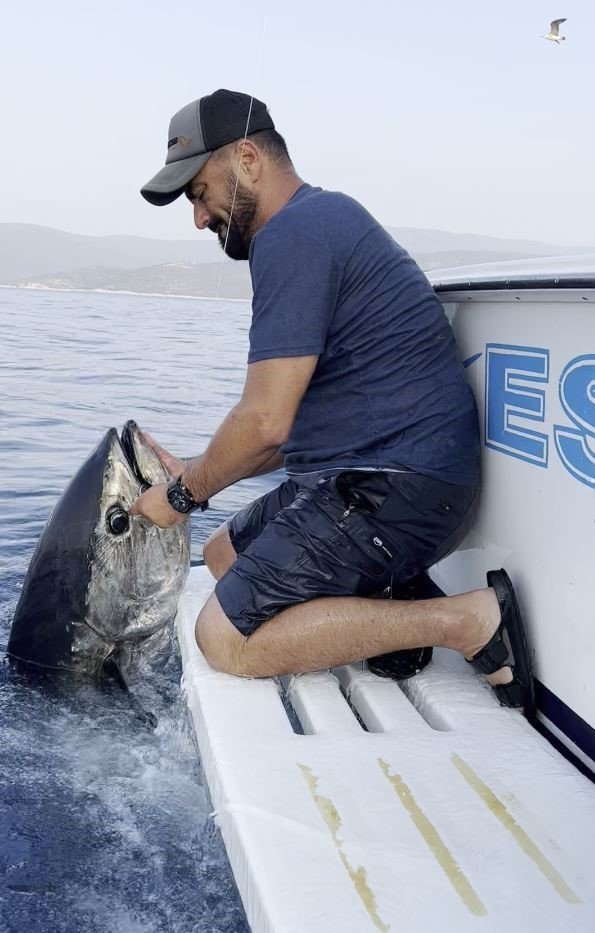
[249, 158]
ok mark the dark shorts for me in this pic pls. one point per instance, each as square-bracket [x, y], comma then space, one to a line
[350, 534]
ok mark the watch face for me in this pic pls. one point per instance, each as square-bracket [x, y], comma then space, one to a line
[179, 499]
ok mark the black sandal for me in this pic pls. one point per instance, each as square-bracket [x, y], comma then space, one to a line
[520, 692]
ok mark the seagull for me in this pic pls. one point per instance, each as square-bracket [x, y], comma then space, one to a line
[554, 33]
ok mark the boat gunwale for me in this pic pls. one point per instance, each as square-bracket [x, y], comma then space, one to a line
[559, 283]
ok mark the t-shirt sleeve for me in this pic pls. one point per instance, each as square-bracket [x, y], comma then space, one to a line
[295, 285]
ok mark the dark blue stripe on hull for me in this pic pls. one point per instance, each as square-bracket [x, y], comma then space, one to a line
[569, 723]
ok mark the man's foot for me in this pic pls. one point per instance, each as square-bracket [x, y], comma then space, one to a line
[504, 657]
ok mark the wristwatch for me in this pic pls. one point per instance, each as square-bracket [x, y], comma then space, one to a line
[182, 500]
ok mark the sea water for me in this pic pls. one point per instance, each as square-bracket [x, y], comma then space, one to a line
[104, 823]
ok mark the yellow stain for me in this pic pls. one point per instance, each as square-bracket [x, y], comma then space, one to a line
[517, 832]
[432, 838]
[332, 819]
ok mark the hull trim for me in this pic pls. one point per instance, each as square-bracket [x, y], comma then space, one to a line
[569, 724]
[517, 284]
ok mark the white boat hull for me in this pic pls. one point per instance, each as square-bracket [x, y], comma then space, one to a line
[533, 373]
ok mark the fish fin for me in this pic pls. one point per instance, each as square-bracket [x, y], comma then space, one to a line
[112, 670]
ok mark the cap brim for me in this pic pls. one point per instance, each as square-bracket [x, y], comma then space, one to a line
[169, 183]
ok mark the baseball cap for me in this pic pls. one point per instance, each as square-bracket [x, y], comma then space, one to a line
[196, 130]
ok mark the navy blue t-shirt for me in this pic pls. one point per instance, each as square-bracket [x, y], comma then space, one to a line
[388, 390]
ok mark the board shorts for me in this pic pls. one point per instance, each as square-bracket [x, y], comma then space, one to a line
[348, 533]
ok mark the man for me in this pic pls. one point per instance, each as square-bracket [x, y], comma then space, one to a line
[354, 385]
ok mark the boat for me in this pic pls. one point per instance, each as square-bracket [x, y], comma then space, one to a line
[352, 803]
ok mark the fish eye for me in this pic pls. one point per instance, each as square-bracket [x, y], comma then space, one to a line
[117, 520]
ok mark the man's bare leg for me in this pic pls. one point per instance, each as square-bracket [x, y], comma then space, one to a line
[218, 552]
[326, 632]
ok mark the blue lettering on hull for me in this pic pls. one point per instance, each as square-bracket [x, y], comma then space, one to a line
[512, 377]
[577, 395]
[515, 380]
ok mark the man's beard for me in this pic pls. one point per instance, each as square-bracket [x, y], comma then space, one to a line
[235, 237]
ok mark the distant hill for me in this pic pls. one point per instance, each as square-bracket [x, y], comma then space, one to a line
[192, 279]
[28, 251]
[32, 255]
[424, 240]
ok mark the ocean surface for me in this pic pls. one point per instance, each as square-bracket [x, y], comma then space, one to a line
[104, 823]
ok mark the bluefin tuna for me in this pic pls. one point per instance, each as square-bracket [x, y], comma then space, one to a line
[102, 587]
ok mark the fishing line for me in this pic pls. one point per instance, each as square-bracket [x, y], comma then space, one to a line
[257, 71]
[235, 190]
[233, 200]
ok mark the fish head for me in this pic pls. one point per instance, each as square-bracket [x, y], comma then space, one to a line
[100, 580]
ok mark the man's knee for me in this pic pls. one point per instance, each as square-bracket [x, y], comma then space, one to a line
[218, 552]
[219, 641]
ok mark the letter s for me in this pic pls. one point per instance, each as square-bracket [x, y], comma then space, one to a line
[577, 395]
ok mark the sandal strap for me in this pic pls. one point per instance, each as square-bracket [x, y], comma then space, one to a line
[512, 694]
[491, 657]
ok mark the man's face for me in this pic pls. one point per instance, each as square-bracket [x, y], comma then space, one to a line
[226, 208]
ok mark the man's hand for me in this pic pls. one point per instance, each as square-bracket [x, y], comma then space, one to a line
[153, 505]
[173, 465]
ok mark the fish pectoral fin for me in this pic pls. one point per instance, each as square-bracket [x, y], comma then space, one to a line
[112, 671]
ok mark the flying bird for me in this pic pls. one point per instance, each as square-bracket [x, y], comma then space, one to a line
[554, 33]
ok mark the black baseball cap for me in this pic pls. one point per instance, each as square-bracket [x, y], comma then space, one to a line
[196, 130]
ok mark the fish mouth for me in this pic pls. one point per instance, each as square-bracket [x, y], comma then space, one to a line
[128, 448]
[144, 463]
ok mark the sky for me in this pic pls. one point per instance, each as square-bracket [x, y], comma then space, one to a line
[449, 115]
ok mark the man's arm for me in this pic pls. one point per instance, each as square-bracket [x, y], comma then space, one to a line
[273, 463]
[254, 430]
[247, 442]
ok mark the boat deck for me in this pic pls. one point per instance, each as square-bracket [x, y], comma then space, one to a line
[352, 803]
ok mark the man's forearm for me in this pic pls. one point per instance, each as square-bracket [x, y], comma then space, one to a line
[273, 463]
[243, 446]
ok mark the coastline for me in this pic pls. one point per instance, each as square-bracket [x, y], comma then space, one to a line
[110, 291]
